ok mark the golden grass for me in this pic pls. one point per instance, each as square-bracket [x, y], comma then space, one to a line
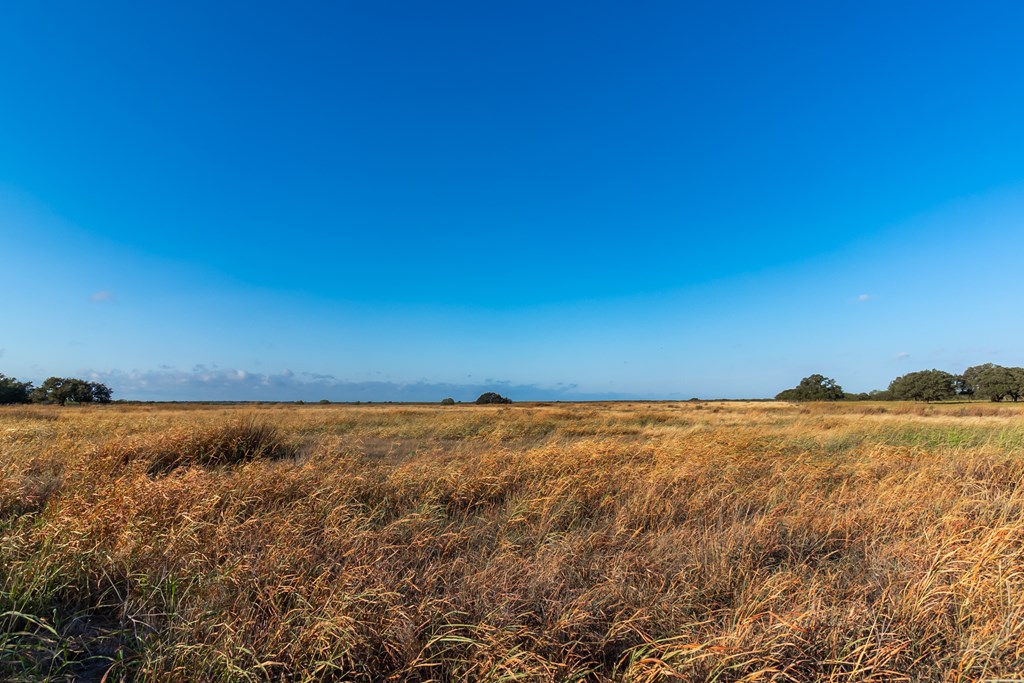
[597, 542]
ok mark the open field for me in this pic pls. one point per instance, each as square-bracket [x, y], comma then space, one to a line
[598, 542]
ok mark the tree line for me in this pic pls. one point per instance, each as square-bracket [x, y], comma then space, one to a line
[62, 390]
[987, 382]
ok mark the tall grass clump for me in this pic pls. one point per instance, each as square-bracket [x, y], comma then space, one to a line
[237, 441]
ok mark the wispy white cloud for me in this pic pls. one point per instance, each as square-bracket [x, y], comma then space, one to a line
[902, 355]
[864, 297]
[104, 295]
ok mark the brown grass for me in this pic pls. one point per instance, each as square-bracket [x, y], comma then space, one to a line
[597, 542]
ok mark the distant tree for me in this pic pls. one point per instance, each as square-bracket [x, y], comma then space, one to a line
[879, 395]
[995, 382]
[64, 390]
[13, 391]
[926, 385]
[448, 401]
[492, 397]
[324, 402]
[813, 388]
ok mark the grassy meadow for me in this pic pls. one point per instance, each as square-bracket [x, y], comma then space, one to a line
[565, 542]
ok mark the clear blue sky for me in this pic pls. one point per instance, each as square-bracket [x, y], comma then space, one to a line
[406, 200]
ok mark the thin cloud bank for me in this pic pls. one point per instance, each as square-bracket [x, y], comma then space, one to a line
[229, 384]
[102, 296]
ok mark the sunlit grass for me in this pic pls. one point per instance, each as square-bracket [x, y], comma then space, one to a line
[599, 542]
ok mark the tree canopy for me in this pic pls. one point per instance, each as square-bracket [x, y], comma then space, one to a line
[13, 391]
[994, 382]
[813, 388]
[492, 397]
[926, 385]
[64, 390]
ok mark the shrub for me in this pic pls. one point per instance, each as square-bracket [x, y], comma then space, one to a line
[448, 401]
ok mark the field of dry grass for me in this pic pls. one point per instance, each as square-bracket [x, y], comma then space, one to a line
[591, 542]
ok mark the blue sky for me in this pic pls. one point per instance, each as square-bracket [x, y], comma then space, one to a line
[401, 201]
